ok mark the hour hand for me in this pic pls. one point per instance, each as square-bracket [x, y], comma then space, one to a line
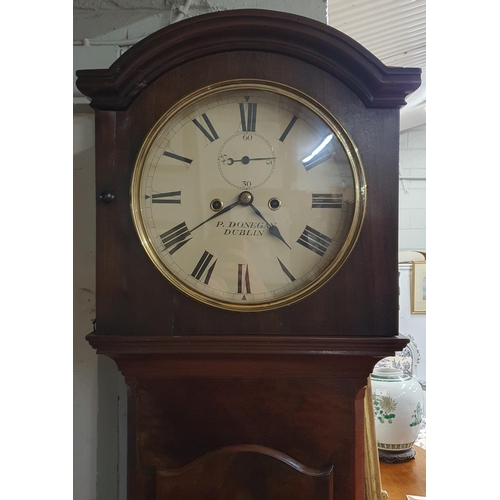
[276, 232]
[272, 229]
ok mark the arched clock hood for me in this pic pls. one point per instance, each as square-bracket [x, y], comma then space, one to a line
[376, 85]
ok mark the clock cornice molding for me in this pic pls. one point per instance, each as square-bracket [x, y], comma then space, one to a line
[244, 344]
[245, 356]
[376, 85]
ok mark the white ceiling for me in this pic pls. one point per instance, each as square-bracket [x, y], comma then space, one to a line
[393, 30]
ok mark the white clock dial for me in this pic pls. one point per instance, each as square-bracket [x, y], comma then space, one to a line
[248, 195]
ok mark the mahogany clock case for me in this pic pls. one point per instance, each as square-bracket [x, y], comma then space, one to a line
[133, 298]
[225, 404]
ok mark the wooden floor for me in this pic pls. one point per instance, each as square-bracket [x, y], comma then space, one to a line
[407, 478]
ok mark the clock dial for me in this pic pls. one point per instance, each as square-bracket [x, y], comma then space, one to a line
[248, 195]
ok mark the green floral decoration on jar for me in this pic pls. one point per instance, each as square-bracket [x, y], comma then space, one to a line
[384, 408]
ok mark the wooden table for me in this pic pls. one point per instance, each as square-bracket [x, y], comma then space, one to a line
[407, 478]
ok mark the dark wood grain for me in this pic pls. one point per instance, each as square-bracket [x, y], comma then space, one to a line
[361, 300]
[246, 472]
[244, 357]
[190, 399]
[316, 422]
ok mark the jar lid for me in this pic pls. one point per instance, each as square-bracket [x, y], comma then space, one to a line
[386, 373]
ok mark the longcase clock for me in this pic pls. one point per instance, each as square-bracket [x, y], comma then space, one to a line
[247, 210]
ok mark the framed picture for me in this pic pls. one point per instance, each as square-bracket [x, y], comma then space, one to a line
[418, 288]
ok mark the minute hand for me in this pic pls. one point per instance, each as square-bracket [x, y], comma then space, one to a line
[272, 229]
[223, 211]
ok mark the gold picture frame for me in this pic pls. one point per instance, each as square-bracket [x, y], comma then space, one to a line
[418, 287]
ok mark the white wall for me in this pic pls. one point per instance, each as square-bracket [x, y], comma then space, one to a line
[120, 19]
[412, 193]
[84, 357]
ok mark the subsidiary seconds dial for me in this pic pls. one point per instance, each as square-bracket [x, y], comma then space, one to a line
[248, 195]
[251, 170]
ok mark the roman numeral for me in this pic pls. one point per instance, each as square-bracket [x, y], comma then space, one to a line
[177, 157]
[316, 160]
[172, 197]
[243, 279]
[286, 271]
[314, 240]
[201, 267]
[176, 237]
[248, 122]
[210, 134]
[326, 200]
[288, 128]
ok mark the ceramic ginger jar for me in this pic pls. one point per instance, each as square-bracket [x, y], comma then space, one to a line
[398, 408]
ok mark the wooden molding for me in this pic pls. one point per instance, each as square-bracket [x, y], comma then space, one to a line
[246, 344]
[377, 85]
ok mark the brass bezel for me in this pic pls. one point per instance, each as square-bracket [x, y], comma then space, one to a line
[340, 133]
